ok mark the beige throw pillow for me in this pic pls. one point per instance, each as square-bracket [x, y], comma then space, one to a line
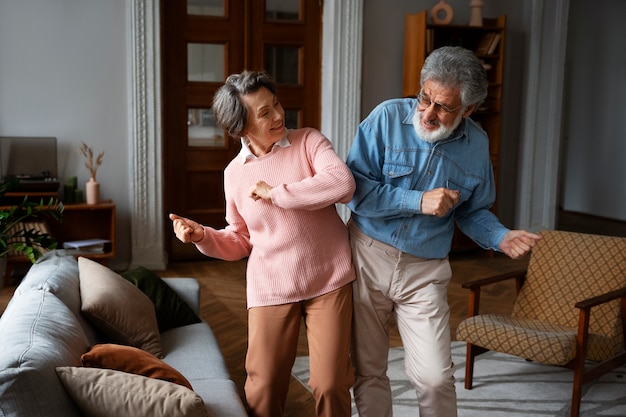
[118, 308]
[106, 392]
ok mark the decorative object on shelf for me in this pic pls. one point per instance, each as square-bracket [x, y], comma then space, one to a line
[22, 232]
[476, 15]
[69, 190]
[92, 191]
[441, 13]
[92, 188]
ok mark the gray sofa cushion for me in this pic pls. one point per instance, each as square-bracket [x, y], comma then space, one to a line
[37, 334]
[58, 274]
[220, 397]
[183, 346]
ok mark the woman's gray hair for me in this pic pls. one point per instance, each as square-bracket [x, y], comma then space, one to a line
[457, 67]
[230, 111]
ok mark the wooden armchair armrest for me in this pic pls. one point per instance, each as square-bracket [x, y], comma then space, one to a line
[475, 286]
[601, 299]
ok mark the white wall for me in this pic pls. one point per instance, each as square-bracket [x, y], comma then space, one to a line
[63, 69]
[594, 178]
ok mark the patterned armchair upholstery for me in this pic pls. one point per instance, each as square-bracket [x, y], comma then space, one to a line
[568, 310]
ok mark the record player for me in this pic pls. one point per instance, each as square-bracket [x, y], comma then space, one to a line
[30, 160]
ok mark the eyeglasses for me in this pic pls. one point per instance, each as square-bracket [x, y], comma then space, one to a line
[426, 102]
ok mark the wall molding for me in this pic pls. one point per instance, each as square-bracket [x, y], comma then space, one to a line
[342, 42]
[146, 194]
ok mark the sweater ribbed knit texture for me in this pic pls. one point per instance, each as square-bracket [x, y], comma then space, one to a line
[298, 246]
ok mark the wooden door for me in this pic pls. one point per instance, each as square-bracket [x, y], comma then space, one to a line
[203, 42]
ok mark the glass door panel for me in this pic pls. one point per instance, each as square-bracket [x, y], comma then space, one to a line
[205, 62]
[205, 7]
[282, 10]
[292, 118]
[283, 63]
[202, 129]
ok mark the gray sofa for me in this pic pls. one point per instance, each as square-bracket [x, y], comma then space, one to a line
[43, 328]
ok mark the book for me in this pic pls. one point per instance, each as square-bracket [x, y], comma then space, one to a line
[494, 43]
[485, 43]
[87, 245]
[430, 40]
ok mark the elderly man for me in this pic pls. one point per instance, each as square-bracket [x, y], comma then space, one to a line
[420, 165]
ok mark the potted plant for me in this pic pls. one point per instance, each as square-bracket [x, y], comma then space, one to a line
[17, 236]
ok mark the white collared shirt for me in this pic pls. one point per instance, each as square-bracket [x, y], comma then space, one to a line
[246, 153]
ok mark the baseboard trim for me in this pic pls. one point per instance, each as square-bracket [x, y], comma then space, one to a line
[587, 223]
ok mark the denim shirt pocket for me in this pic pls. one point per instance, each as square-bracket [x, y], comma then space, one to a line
[465, 193]
[398, 174]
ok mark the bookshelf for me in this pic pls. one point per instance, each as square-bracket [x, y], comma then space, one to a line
[488, 42]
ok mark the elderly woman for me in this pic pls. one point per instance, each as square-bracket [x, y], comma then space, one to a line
[280, 193]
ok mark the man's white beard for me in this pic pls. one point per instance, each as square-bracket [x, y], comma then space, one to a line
[441, 132]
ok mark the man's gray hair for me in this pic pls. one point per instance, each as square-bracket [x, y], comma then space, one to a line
[230, 111]
[457, 67]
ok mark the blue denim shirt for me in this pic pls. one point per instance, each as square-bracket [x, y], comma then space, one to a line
[393, 167]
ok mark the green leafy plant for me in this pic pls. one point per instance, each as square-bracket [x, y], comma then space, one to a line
[16, 236]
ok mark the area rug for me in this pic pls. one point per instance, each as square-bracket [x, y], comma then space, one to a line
[504, 386]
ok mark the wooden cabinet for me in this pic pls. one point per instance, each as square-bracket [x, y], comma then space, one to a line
[79, 222]
[421, 38]
[87, 221]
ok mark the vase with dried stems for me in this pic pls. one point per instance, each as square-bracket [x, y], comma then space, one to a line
[92, 188]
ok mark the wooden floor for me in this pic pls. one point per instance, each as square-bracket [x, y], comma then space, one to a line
[224, 308]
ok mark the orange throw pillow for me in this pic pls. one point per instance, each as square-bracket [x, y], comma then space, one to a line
[132, 360]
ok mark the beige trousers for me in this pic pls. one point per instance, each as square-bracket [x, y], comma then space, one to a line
[272, 343]
[415, 291]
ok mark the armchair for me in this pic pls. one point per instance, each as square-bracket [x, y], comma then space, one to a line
[568, 311]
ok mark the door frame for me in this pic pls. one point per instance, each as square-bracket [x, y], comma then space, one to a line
[341, 94]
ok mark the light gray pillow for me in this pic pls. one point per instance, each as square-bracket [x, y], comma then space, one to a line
[117, 308]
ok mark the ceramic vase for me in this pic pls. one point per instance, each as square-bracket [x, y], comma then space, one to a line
[92, 191]
[476, 15]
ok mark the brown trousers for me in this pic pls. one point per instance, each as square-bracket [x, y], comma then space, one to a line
[272, 344]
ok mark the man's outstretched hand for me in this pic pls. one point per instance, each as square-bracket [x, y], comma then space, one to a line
[518, 243]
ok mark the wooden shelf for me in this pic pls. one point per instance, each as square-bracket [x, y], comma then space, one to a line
[79, 221]
[82, 221]
[87, 221]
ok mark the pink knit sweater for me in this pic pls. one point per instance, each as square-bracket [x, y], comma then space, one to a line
[297, 245]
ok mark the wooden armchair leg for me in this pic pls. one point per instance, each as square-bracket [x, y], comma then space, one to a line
[577, 389]
[472, 352]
